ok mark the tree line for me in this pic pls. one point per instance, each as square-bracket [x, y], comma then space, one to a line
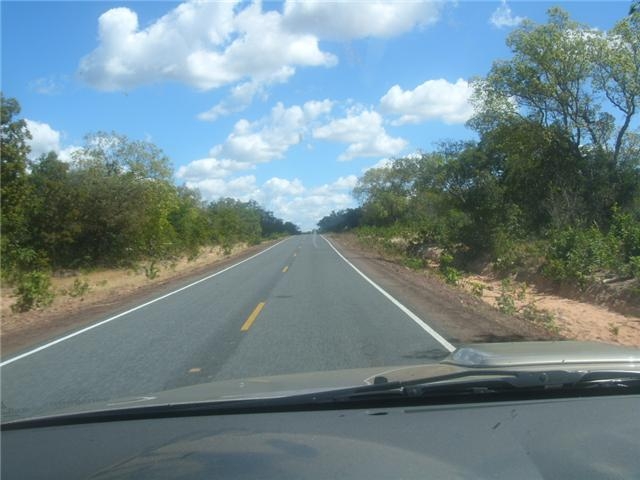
[114, 205]
[553, 181]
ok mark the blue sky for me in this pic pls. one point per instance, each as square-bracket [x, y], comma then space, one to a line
[284, 103]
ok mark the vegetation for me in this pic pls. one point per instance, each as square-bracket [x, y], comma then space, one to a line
[551, 186]
[114, 205]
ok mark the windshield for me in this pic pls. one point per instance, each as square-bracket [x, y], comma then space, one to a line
[197, 192]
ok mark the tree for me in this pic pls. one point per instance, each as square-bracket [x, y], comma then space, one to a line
[617, 72]
[54, 218]
[384, 195]
[341, 220]
[116, 154]
[125, 198]
[567, 75]
[14, 188]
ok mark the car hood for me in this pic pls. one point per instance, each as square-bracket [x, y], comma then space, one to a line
[521, 356]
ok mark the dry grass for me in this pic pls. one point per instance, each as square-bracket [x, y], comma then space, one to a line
[105, 287]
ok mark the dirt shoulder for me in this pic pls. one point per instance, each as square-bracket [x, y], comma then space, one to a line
[109, 292]
[454, 313]
[469, 312]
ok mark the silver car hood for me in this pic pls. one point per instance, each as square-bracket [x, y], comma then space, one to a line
[520, 356]
[528, 356]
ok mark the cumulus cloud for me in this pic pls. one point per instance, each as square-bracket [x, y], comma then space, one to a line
[236, 44]
[363, 130]
[503, 17]
[242, 188]
[240, 97]
[282, 186]
[349, 20]
[210, 168]
[288, 199]
[270, 137]
[432, 100]
[203, 44]
[306, 206]
[45, 139]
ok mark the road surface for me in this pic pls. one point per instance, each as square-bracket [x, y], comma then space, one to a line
[298, 306]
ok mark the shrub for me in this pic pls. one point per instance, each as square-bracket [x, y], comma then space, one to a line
[576, 254]
[151, 271]
[33, 290]
[449, 272]
[506, 301]
[413, 263]
[79, 289]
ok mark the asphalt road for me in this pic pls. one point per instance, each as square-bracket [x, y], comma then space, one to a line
[295, 307]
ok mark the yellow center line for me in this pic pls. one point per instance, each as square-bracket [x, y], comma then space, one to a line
[247, 324]
[284, 270]
[295, 254]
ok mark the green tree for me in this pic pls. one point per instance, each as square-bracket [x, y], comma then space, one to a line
[54, 218]
[617, 72]
[566, 74]
[15, 192]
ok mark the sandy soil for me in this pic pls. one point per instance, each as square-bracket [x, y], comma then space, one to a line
[109, 290]
[574, 319]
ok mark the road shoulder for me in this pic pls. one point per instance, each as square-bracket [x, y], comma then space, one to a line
[455, 314]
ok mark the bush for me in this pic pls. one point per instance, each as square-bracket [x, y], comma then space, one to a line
[79, 289]
[576, 254]
[151, 271]
[413, 263]
[451, 274]
[506, 301]
[624, 237]
[634, 266]
[33, 290]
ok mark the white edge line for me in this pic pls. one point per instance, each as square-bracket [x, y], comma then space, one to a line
[408, 312]
[95, 325]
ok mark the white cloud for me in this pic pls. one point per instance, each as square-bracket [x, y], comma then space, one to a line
[270, 137]
[283, 186]
[364, 131]
[288, 199]
[347, 182]
[50, 85]
[210, 168]
[432, 100]
[44, 139]
[382, 163]
[503, 17]
[66, 154]
[348, 20]
[316, 108]
[240, 98]
[210, 45]
[203, 44]
[242, 188]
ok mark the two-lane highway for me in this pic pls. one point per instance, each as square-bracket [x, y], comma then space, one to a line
[295, 307]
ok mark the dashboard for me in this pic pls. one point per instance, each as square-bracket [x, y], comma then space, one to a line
[584, 437]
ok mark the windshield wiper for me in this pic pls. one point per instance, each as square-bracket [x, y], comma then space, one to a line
[467, 386]
[488, 382]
